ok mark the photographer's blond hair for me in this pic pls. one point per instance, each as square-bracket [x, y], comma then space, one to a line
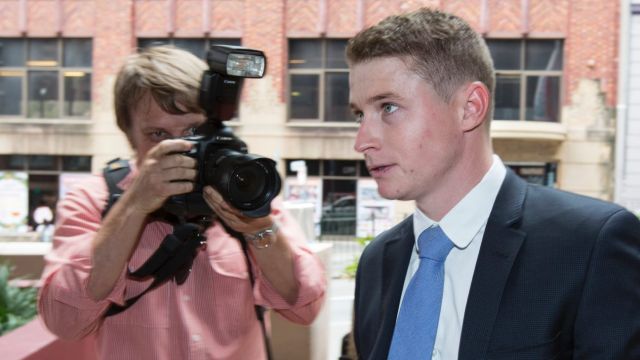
[440, 47]
[170, 75]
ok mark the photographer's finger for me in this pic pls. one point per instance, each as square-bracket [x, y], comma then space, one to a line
[180, 174]
[172, 146]
[178, 161]
[180, 187]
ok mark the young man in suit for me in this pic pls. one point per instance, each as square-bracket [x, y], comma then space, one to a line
[520, 271]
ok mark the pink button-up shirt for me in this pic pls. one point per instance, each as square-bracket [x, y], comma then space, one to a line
[210, 316]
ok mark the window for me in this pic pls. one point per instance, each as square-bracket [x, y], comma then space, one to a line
[536, 173]
[44, 176]
[318, 81]
[338, 181]
[45, 78]
[528, 78]
[197, 47]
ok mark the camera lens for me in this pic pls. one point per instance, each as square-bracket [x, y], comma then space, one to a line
[248, 182]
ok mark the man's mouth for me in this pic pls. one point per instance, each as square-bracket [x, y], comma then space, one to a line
[377, 170]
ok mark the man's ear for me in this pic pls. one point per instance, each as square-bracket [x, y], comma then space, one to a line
[476, 98]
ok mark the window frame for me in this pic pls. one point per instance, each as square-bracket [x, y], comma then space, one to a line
[207, 41]
[23, 73]
[523, 75]
[321, 72]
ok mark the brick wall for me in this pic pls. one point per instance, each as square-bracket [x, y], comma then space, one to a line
[590, 49]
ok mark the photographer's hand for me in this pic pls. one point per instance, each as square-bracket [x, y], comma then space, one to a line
[275, 261]
[163, 172]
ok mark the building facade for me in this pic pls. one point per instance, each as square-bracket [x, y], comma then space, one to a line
[554, 121]
[627, 187]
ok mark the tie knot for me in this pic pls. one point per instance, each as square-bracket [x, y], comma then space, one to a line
[434, 244]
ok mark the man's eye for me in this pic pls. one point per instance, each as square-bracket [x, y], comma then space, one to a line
[357, 116]
[159, 135]
[389, 108]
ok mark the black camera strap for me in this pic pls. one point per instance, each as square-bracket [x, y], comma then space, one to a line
[115, 171]
[174, 257]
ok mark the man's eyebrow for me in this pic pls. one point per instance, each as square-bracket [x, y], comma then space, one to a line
[376, 98]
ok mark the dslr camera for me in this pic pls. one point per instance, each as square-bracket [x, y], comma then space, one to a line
[246, 181]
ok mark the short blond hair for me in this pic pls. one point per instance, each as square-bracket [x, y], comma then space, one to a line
[440, 47]
[169, 75]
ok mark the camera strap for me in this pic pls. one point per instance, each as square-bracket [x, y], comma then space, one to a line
[176, 253]
[115, 171]
[173, 259]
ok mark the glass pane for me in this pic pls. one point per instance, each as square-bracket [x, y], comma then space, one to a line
[194, 46]
[505, 54]
[335, 54]
[304, 97]
[313, 167]
[43, 52]
[531, 173]
[543, 98]
[305, 54]
[364, 172]
[336, 95]
[10, 94]
[43, 94]
[543, 55]
[12, 52]
[77, 53]
[234, 42]
[77, 93]
[143, 43]
[507, 99]
[338, 207]
[43, 192]
[76, 163]
[13, 162]
[340, 167]
[42, 162]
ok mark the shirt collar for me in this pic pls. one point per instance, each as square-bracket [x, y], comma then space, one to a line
[470, 214]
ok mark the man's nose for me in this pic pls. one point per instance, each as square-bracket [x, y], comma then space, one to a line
[365, 138]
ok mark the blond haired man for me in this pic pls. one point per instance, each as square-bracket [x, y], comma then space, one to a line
[211, 315]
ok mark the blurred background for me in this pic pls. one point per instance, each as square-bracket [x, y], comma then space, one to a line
[567, 110]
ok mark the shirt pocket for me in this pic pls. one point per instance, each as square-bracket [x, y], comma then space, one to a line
[232, 302]
[149, 311]
[232, 265]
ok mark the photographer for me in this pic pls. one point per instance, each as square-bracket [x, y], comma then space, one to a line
[210, 315]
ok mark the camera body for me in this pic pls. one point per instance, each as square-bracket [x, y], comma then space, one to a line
[246, 181]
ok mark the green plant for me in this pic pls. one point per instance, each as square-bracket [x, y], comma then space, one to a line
[17, 305]
[350, 270]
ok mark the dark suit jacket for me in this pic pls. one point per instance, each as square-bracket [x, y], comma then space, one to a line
[557, 277]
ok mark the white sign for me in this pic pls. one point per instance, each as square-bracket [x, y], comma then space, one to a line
[374, 213]
[307, 192]
[14, 201]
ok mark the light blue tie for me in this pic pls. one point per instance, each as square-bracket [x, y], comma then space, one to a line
[417, 323]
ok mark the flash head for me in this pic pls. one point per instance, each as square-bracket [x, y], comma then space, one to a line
[236, 61]
[221, 83]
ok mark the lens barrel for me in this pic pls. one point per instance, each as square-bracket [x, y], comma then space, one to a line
[248, 182]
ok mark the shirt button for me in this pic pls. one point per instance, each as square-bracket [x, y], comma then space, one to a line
[195, 337]
[186, 297]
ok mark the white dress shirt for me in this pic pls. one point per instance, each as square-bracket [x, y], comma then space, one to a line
[464, 224]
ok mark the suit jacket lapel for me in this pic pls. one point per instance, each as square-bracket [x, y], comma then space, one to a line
[397, 252]
[500, 245]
